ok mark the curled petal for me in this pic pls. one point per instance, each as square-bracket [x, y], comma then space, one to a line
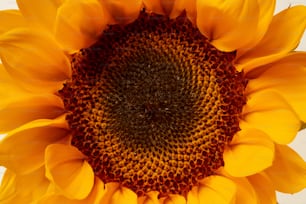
[229, 26]
[249, 152]
[79, 23]
[67, 168]
[269, 112]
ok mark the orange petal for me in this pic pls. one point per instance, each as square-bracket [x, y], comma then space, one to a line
[282, 36]
[287, 76]
[116, 194]
[67, 168]
[228, 25]
[8, 183]
[40, 12]
[79, 23]
[122, 11]
[269, 112]
[173, 199]
[93, 198]
[149, 198]
[22, 150]
[266, 194]
[214, 189]
[249, 152]
[32, 108]
[180, 5]
[40, 59]
[10, 19]
[288, 172]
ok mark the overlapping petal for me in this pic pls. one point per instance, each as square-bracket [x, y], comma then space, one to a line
[269, 112]
[117, 194]
[150, 198]
[282, 36]
[79, 23]
[288, 172]
[22, 150]
[41, 13]
[266, 194]
[228, 25]
[173, 199]
[93, 198]
[69, 171]
[245, 192]
[287, 76]
[11, 19]
[249, 152]
[23, 111]
[40, 64]
[213, 189]
[23, 188]
[121, 11]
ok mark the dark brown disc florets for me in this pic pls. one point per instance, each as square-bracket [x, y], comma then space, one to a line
[152, 104]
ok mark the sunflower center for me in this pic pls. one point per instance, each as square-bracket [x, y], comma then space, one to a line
[152, 104]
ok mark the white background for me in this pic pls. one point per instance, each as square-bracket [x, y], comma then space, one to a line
[299, 143]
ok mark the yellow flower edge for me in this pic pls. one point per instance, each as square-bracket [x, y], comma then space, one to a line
[36, 43]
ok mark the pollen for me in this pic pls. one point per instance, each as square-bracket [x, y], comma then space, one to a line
[152, 104]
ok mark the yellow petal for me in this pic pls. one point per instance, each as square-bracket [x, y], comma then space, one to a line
[22, 150]
[288, 77]
[215, 190]
[7, 188]
[122, 11]
[149, 198]
[266, 10]
[23, 187]
[39, 60]
[228, 25]
[288, 172]
[79, 23]
[93, 198]
[282, 36]
[264, 188]
[173, 199]
[39, 12]
[67, 168]
[245, 192]
[10, 19]
[269, 112]
[249, 152]
[193, 196]
[116, 194]
[34, 107]
[10, 91]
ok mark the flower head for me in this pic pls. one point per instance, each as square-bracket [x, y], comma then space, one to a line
[151, 101]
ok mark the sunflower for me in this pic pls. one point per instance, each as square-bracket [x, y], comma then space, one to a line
[139, 102]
